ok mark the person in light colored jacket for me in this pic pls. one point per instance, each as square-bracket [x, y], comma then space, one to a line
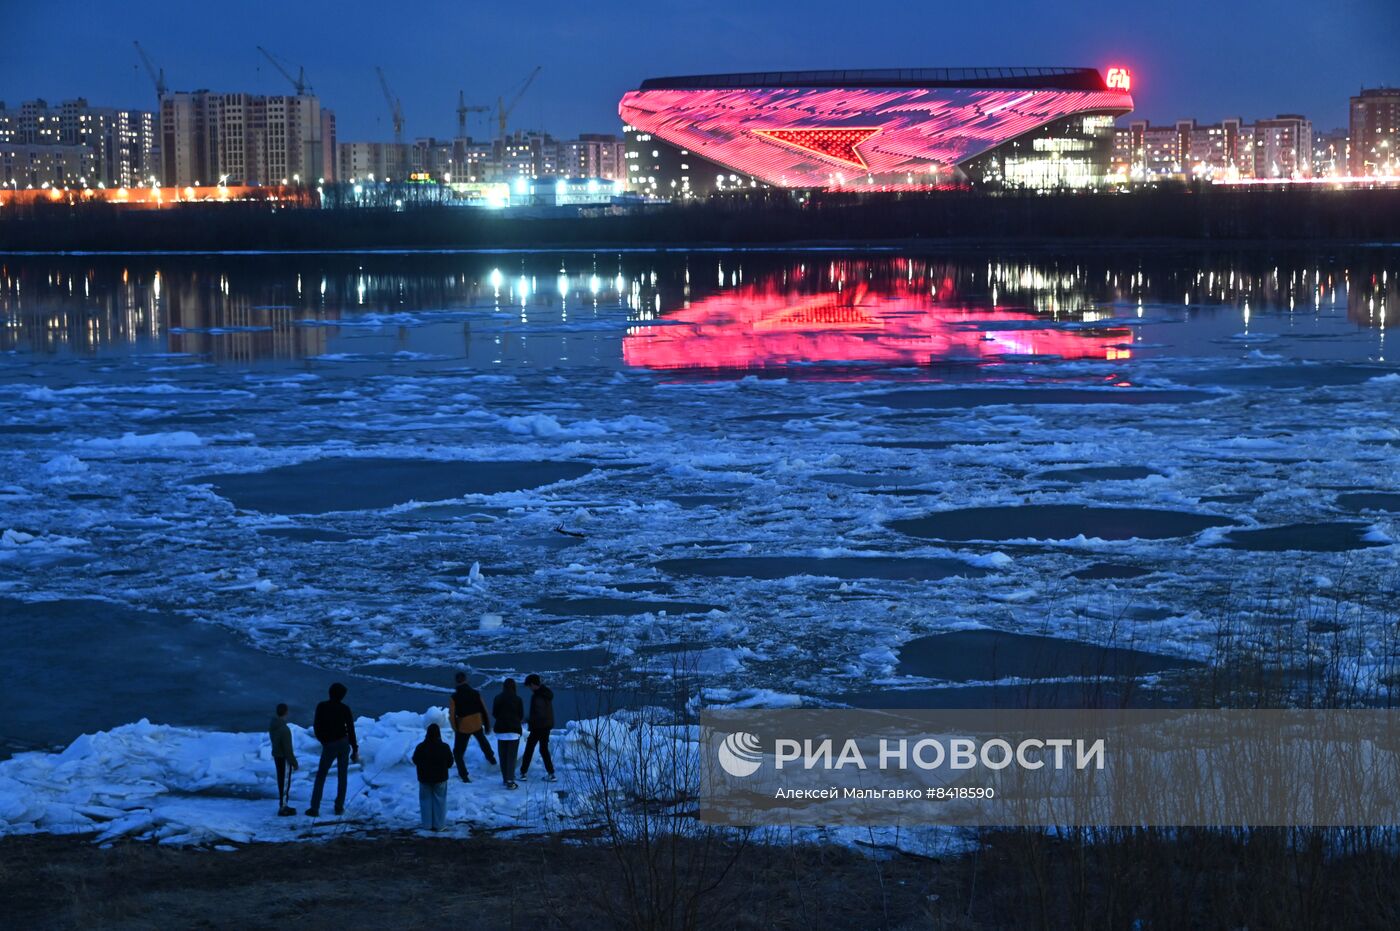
[284, 756]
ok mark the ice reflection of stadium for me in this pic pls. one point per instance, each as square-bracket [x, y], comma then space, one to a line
[858, 313]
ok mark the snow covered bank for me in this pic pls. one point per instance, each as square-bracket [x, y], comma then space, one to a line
[185, 786]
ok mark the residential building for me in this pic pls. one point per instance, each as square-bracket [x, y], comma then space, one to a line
[1375, 132]
[471, 159]
[593, 155]
[1331, 154]
[1211, 151]
[525, 154]
[433, 157]
[122, 141]
[23, 165]
[210, 138]
[377, 161]
[1154, 152]
[1283, 147]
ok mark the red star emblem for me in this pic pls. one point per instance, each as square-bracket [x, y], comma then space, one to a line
[836, 143]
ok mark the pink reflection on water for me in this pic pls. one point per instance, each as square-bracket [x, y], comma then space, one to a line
[888, 321]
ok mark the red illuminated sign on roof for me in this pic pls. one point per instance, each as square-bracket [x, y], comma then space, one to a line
[1120, 79]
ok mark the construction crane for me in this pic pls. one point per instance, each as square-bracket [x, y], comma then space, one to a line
[395, 105]
[463, 110]
[503, 111]
[157, 74]
[299, 82]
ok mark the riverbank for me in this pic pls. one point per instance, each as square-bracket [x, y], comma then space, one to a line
[1195, 216]
[1012, 880]
[405, 880]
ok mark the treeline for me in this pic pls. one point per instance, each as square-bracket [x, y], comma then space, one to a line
[1178, 214]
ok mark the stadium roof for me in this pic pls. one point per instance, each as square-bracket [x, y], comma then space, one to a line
[1077, 79]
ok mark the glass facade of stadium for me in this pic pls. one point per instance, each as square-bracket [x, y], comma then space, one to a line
[921, 129]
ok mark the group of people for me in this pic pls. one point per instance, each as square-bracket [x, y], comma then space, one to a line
[334, 727]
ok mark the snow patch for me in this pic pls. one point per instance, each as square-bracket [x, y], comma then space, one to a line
[172, 439]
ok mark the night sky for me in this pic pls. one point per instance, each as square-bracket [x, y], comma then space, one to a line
[1203, 58]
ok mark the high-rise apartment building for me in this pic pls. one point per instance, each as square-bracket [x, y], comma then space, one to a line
[121, 141]
[1375, 132]
[208, 138]
[377, 161]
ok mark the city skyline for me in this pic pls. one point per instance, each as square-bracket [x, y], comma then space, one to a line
[1182, 68]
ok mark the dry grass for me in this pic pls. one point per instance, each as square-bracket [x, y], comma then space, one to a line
[396, 881]
[1144, 879]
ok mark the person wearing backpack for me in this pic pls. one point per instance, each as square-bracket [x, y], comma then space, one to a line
[467, 713]
[541, 722]
[509, 712]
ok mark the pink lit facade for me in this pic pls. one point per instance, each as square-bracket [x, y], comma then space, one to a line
[862, 138]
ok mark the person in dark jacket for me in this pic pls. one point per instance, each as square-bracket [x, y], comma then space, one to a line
[509, 712]
[434, 762]
[541, 723]
[334, 727]
[284, 757]
[467, 712]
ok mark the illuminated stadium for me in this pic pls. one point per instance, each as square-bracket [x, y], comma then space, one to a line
[888, 130]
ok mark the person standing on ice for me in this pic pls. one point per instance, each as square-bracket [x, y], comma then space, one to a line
[509, 712]
[469, 719]
[541, 722]
[335, 728]
[433, 761]
[284, 756]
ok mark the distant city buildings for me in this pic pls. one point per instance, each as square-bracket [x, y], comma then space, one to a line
[1375, 132]
[521, 155]
[245, 139]
[75, 143]
[1279, 148]
[204, 139]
